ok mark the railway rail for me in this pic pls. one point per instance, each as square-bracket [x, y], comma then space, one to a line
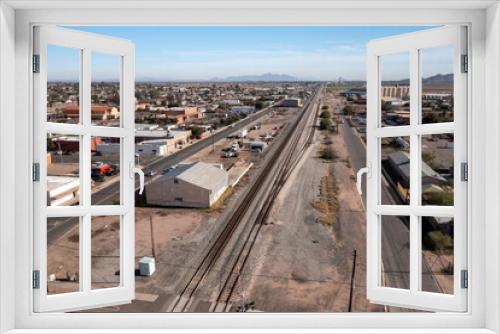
[291, 159]
[288, 144]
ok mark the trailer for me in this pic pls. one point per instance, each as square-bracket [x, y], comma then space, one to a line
[243, 133]
[257, 147]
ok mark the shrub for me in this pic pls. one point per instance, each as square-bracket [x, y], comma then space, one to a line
[438, 198]
[328, 153]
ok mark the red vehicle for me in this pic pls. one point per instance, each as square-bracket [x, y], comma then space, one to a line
[104, 168]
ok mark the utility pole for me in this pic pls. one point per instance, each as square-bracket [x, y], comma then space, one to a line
[353, 274]
[213, 142]
[152, 237]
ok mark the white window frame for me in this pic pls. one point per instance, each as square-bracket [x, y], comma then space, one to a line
[86, 44]
[483, 17]
[412, 44]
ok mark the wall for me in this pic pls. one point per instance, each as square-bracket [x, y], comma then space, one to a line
[492, 212]
[164, 192]
[7, 170]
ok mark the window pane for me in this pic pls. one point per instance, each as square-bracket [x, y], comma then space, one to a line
[395, 169]
[106, 78]
[437, 254]
[395, 89]
[105, 173]
[63, 84]
[437, 85]
[63, 170]
[437, 169]
[63, 255]
[395, 251]
[105, 246]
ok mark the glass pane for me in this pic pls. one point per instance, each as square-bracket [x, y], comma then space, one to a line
[437, 85]
[63, 170]
[395, 169]
[105, 173]
[105, 244]
[106, 77]
[395, 251]
[63, 84]
[63, 255]
[437, 254]
[395, 89]
[437, 169]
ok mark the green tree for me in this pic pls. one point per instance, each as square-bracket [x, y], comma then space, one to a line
[259, 105]
[325, 124]
[348, 110]
[387, 106]
[196, 131]
[325, 114]
[428, 157]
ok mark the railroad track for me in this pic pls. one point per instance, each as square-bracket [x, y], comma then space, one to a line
[185, 297]
[291, 159]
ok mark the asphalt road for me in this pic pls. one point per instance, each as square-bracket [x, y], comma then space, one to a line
[395, 231]
[111, 192]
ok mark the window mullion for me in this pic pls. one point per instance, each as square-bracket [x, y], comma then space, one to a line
[86, 167]
[414, 167]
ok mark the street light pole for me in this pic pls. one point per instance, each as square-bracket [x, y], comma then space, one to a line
[353, 274]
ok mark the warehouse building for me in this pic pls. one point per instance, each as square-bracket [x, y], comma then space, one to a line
[291, 102]
[399, 169]
[196, 185]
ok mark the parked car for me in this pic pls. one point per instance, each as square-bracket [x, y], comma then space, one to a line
[169, 169]
[105, 168]
[152, 172]
[229, 154]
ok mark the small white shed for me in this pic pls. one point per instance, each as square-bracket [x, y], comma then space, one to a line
[147, 266]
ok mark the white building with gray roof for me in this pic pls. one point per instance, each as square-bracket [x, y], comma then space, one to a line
[196, 185]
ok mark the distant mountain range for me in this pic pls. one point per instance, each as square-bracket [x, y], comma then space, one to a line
[266, 77]
[438, 79]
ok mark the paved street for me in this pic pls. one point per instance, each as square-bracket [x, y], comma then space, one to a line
[395, 232]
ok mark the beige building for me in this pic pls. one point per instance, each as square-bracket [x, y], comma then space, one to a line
[396, 91]
[101, 113]
[181, 115]
[196, 185]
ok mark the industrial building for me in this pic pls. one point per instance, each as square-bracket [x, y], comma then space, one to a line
[196, 185]
[291, 102]
[399, 168]
[396, 91]
[154, 147]
[243, 109]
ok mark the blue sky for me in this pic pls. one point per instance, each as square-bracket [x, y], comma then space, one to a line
[202, 53]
